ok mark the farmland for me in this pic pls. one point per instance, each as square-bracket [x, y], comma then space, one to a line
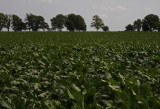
[80, 70]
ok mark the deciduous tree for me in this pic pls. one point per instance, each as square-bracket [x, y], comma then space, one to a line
[70, 22]
[75, 22]
[80, 23]
[159, 26]
[150, 23]
[97, 22]
[9, 21]
[105, 28]
[129, 27]
[34, 22]
[29, 21]
[58, 22]
[3, 20]
[137, 25]
[17, 23]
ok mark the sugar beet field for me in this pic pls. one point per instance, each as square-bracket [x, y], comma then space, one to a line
[80, 70]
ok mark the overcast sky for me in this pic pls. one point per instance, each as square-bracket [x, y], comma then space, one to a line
[115, 13]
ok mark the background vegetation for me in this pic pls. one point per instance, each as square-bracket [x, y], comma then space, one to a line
[72, 22]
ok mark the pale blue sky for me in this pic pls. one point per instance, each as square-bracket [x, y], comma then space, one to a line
[115, 13]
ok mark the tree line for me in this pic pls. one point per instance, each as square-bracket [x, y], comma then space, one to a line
[71, 22]
[150, 22]
[33, 22]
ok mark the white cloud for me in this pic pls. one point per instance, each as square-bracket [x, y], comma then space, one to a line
[147, 9]
[94, 6]
[109, 8]
[120, 8]
[45, 1]
[49, 1]
[104, 16]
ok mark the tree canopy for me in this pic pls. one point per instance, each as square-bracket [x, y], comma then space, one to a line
[159, 26]
[137, 25]
[9, 21]
[105, 28]
[71, 22]
[80, 23]
[34, 22]
[150, 22]
[3, 21]
[58, 22]
[17, 23]
[129, 27]
[97, 22]
[75, 22]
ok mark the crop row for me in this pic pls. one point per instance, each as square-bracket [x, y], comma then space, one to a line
[121, 75]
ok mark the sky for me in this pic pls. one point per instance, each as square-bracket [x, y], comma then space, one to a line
[115, 13]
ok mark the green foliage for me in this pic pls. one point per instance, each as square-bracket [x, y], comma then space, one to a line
[17, 23]
[130, 27]
[97, 22]
[3, 20]
[34, 22]
[80, 23]
[9, 22]
[105, 28]
[75, 22]
[80, 70]
[58, 22]
[137, 25]
[150, 22]
[159, 26]
[29, 21]
[70, 22]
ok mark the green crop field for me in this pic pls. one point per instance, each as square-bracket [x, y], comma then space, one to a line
[80, 70]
